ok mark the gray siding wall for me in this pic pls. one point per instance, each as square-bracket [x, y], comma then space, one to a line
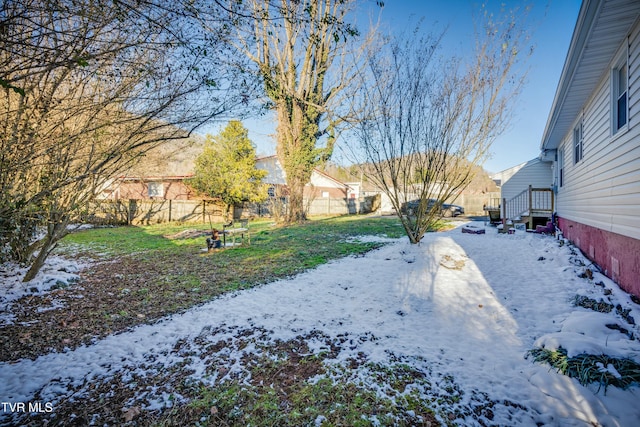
[536, 173]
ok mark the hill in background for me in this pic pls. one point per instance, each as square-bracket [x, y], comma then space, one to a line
[177, 158]
[174, 158]
[481, 183]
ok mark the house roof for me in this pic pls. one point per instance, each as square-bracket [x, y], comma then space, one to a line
[599, 31]
[315, 170]
[326, 175]
[155, 178]
[506, 174]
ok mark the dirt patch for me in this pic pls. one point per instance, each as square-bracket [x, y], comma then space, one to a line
[188, 234]
[276, 383]
[110, 297]
[451, 263]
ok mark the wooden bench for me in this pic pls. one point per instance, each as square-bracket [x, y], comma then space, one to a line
[241, 231]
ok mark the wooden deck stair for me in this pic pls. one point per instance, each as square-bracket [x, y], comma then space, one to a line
[530, 204]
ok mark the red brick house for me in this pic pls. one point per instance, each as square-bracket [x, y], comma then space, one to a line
[150, 188]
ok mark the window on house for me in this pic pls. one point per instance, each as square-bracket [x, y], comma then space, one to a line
[577, 142]
[619, 98]
[155, 189]
[271, 191]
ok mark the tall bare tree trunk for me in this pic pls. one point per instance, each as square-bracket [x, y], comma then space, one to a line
[55, 232]
[294, 46]
[296, 154]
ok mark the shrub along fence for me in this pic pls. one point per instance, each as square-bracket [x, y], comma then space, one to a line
[146, 212]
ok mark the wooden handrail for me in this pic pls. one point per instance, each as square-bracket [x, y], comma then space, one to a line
[529, 200]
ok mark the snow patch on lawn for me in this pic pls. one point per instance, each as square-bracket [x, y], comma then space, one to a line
[57, 272]
[464, 309]
[370, 239]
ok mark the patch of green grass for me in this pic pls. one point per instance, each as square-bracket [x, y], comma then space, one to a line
[115, 241]
[153, 271]
[590, 368]
[157, 270]
[274, 251]
[294, 400]
[136, 239]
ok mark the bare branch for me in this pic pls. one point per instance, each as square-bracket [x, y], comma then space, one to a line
[427, 121]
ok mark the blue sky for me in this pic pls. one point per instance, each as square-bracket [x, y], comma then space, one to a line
[552, 24]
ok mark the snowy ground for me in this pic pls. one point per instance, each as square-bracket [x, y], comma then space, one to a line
[461, 306]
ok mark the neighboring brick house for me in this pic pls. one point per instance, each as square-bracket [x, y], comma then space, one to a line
[150, 188]
[321, 184]
[166, 198]
[152, 199]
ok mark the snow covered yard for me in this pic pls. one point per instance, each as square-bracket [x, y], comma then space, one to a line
[448, 323]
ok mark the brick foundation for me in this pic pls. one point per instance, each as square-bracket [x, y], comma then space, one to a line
[618, 256]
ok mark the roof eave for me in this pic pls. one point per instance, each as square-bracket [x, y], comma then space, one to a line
[601, 27]
[584, 23]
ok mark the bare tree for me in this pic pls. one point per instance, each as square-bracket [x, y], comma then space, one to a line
[302, 50]
[88, 87]
[428, 119]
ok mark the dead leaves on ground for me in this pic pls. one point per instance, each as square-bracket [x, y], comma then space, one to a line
[110, 297]
[451, 263]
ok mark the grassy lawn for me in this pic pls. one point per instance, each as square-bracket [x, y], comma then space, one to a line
[274, 251]
[140, 274]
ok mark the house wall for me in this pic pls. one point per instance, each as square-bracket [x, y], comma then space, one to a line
[324, 181]
[535, 172]
[503, 176]
[275, 173]
[319, 186]
[599, 203]
[316, 192]
[139, 190]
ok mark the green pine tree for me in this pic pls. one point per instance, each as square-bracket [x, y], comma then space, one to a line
[227, 168]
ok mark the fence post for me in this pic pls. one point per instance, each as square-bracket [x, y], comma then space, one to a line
[130, 211]
[530, 207]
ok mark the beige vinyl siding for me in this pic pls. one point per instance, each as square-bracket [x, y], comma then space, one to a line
[603, 190]
[536, 173]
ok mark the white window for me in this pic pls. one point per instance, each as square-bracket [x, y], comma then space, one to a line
[577, 142]
[325, 194]
[620, 93]
[155, 189]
